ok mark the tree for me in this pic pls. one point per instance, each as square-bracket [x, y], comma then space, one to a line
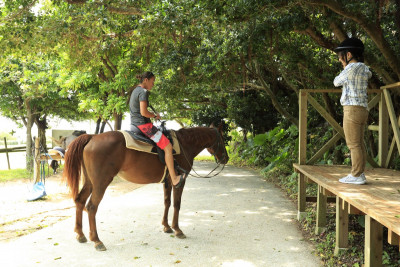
[30, 95]
[204, 52]
[252, 110]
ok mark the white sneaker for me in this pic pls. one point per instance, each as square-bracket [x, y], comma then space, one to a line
[350, 179]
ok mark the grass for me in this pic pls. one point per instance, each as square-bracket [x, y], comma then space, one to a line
[204, 158]
[10, 175]
[15, 174]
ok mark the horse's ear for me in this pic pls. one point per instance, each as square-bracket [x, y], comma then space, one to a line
[212, 125]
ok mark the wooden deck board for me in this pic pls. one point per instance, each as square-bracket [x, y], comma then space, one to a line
[379, 198]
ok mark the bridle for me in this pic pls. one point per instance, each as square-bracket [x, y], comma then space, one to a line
[220, 145]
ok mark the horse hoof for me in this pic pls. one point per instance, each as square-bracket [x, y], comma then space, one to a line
[100, 246]
[81, 239]
[180, 236]
[168, 230]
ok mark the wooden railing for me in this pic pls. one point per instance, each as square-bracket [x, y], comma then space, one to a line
[386, 111]
[385, 153]
[378, 201]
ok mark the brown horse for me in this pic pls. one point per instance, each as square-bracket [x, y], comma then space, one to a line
[99, 158]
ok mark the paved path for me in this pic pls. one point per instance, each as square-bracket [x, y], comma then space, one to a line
[234, 219]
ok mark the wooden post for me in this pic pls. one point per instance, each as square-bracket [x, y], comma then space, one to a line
[36, 162]
[321, 211]
[301, 201]
[393, 238]
[383, 133]
[8, 159]
[342, 226]
[354, 210]
[325, 148]
[391, 149]
[303, 127]
[326, 116]
[393, 119]
[373, 242]
[301, 197]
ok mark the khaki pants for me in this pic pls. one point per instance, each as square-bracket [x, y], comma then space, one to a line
[354, 121]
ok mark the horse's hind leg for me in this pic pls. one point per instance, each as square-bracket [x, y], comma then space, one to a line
[167, 205]
[80, 202]
[93, 204]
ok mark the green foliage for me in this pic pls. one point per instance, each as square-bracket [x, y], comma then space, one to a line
[210, 115]
[204, 158]
[30, 92]
[272, 149]
[252, 110]
[247, 57]
[7, 135]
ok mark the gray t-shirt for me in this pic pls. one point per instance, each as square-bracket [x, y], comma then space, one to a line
[138, 94]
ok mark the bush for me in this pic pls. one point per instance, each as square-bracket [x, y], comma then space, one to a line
[274, 151]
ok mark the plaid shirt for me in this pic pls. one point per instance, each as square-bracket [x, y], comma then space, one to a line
[354, 79]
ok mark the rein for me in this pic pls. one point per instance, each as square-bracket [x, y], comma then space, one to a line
[218, 164]
[218, 140]
[208, 175]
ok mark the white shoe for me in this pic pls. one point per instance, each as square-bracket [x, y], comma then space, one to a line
[350, 179]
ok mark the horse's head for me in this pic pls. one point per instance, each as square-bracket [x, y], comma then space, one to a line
[217, 149]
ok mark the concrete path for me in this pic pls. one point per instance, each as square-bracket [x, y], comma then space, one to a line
[234, 219]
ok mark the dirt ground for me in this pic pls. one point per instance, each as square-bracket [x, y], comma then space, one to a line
[19, 217]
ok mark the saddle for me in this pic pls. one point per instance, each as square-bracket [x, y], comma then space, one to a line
[138, 135]
[135, 139]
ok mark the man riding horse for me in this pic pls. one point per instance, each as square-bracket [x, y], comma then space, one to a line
[140, 118]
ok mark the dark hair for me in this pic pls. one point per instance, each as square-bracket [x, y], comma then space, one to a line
[145, 75]
[357, 55]
[353, 45]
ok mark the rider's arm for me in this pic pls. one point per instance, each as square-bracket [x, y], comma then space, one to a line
[145, 113]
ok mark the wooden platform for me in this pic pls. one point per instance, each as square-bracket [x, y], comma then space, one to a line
[379, 200]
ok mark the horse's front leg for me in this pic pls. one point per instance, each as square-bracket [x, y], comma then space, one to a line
[167, 204]
[177, 207]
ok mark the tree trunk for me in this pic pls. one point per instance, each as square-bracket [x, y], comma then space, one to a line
[97, 126]
[42, 126]
[117, 121]
[29, 141]
[103, 125]
[276, 103]
[244, 135]
[29, 148]
[373, 30]
[267, 88]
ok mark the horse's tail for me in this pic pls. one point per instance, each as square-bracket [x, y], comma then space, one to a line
[73, 163]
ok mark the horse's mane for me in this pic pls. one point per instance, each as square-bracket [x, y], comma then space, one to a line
[196, 135]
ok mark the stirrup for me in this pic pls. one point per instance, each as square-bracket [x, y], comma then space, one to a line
[182, 178]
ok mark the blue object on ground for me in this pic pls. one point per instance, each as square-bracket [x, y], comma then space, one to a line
[37, 192]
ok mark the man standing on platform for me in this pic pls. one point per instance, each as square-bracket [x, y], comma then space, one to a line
[354, 99]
